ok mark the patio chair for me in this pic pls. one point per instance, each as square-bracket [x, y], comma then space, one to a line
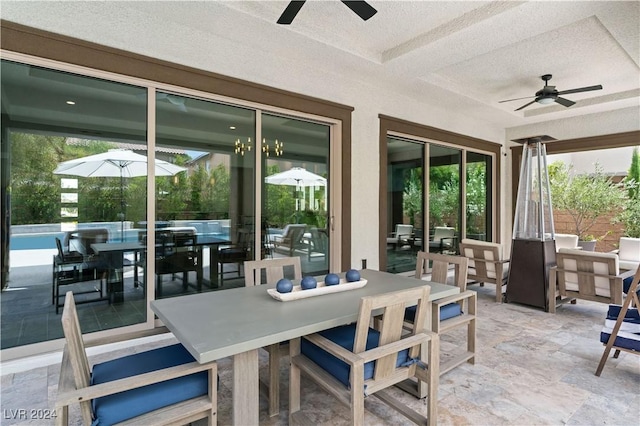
[318, 244]
[401, 236]
[290, 240]
[621, 330]
[160, 386]
[486, 264]
[72, 267]
[450, 312]
[354, 361]
[628, 253]
[177, 254]
[569, 241]
[274, 269]
[585, 275]
[443, 239]
[236, 253]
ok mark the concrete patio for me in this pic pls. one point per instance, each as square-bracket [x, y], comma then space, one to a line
[532, 368]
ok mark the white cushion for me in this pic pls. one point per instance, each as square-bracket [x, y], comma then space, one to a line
[629, 249]
[602, 284]
[566, 241]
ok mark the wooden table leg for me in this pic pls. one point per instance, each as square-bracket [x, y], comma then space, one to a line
[246, 388]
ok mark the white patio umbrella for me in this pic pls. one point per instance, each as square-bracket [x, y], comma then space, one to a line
[296, 176]
[122, 163]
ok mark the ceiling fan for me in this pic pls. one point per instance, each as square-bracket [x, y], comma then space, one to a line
[363, 9]
[549, 94]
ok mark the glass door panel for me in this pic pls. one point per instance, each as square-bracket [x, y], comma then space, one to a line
[295, 184]
[405, 201]
[478, 196]
[444, 198]
[208, 207]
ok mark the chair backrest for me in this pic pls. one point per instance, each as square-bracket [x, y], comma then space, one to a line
[391, 329]
[569, 241]
[76, 352]
[275, 270]
[319, 238]
[82, 239]
[629, 249]
[588, 273]
[482, 256]
[441, 232]
[403, 230]
[440, 266]
[294, 232]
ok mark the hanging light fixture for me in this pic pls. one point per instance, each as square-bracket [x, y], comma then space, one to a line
[241, 147]
[278, 147]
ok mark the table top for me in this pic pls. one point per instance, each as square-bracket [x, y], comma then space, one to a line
[218, 324]
[136, 245]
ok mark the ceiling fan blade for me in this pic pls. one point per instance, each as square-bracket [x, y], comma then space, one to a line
[290, 12]
[363, 9]
[526, 105]
[564, 102]
[517, 99]
[582, 89]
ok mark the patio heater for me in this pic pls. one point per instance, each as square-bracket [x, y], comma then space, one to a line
[533, 250]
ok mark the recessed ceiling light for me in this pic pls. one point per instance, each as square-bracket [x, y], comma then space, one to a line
[232, 127]
[71, 103]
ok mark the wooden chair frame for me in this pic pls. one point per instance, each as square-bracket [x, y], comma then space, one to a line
[392, 340]
[75, 373]
[585, 271]
[631, 299]
[481, 266]
[274, 271]
[440, 266]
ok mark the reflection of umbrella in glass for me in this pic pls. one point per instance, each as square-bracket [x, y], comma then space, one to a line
[296, 176]
[115, 163]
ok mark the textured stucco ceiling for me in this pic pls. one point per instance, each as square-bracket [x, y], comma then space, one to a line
[463, 56]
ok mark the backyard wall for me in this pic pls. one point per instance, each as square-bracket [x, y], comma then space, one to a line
[564, 225]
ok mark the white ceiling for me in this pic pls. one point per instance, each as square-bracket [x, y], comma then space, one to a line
[463, 56]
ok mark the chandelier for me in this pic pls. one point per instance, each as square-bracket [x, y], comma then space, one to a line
[241, 147]
[278, 147]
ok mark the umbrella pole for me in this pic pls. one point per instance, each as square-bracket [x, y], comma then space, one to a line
[121, 206]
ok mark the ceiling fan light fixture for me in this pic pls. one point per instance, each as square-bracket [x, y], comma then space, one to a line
[545, 101]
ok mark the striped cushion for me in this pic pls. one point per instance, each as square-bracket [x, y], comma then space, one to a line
[629, 335]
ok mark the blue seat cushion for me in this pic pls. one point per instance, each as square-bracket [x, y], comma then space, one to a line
[344, 336]
[626, 284]
[132, 403]
[447, 311]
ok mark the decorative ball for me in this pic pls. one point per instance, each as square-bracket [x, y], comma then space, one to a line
[284, 286]
[308, 282]
[331, 279]
[352, 275]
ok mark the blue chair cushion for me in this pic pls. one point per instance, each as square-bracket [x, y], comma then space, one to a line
[447, 311]
[344, 336]
[629, 333]
[132, 403]
[626, 284]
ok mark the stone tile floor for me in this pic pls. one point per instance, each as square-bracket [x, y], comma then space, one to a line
[532, 368]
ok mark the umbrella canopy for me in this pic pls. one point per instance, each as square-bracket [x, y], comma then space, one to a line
[296, 176]
[115, 163]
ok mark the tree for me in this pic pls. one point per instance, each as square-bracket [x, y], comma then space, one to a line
[634, 174]
[585, 197]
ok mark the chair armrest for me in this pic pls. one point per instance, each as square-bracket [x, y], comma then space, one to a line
[451, 299]
[616, 251]
[397, 346]
[333, 348]
[133, 382]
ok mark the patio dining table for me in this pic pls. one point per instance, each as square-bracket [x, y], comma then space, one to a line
[237, 322]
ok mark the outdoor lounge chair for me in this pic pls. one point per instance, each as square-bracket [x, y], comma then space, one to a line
[628, 253]
[486, 264]
[443, 239]
[274, 270]
[290, 240]
[621, 330]
[400, 237]
[354, 361]
[585, 275]
[157, 387]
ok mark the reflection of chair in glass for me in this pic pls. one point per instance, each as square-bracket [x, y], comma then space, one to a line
[450, 312]
[354, 360]
[486, 264]
[177, 254]
[72, 267]
[443, 239]
[585, 275]
[400, 237]
[274, 270]
[81, 240]
[237, 253]
[621, 329]
[317, 244]
[161, 386]
[290, 240]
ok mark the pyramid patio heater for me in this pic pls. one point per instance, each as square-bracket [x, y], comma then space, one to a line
[533, 250]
